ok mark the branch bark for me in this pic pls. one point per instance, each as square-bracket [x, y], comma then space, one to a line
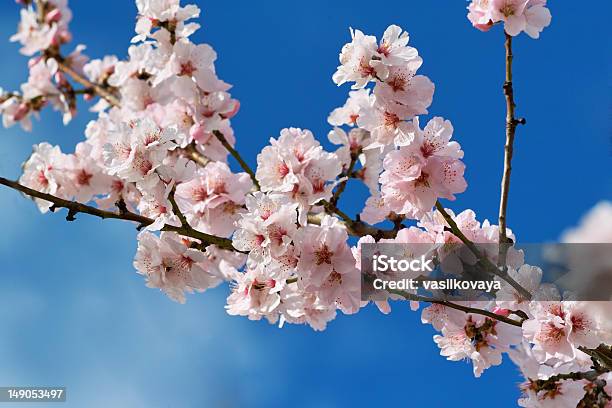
[511, 123]
[74, 208]
[98, 89]
[342, 185]
[485, 261]
[355, 228]
[221, 137]
[465, 309]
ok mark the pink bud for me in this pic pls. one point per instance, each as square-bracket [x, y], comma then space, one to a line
[502, 312]
[33, 61]
[22, 111]
[53, 16]
[88, 97]
[234, 110]
[65, 36]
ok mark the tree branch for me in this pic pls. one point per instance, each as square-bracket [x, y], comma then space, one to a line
[511, 123]
[97, 88]
[485, 261]
[465, 309]
[342, 185]
[193, 154]
[175, 208]
[355, 228]
[236, 155]
[74, 208]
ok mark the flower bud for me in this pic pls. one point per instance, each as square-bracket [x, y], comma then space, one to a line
[21, 112]
[53, 16]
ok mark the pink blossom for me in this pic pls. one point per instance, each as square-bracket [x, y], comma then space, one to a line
[347, 115]
[327, 265]
[256, 295]
[169, 264]
[42, 172]
[356, 62]
[267, 230]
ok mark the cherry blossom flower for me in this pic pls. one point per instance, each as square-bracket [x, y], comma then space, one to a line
[42, 172]
[256, 295]
[212, 200]
[191, 61]
[136, 150]
[305, 307]
[32, 35]
[480, 339]
[296, 165]
[561, 394]
[411, 184]
[414, 93]
[530, 16]
[375, 210]
[386, 122]
[169, 264]
[86, 177]
[167, 14]
[327, 265]
[357, 63]
[393, 48]
[268, 227]
[595, 226]
[481, 14]
[15, 110]
[423, 169]
[558, 328]
[347, 115]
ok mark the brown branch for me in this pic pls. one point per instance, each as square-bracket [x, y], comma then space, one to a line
[355, 228]
[482, 258]
[236, 155]
[601, 356]
[465, 309]
[97, 88]
[511, 123]
[192, 153]
[175, 208]
[342, 185]
[74, 208]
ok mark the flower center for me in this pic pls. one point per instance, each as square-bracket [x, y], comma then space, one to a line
[323, 255]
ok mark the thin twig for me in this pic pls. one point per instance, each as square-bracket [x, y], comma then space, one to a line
[100, 90]
[466, 309]
[511, 123]
[342, 185]
[485, 261]
[355, 228]
[192, 153]
[175, 208]
[75, 207]
[236, 155]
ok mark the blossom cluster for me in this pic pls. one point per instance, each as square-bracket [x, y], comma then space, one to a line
[530, 16]
[135, 152]
[159, 145]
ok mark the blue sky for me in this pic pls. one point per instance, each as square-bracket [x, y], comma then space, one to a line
[74, 313]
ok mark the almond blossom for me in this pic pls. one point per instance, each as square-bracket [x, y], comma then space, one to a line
[157, 154]
[41, 172]
[213, 199]
[169, 264]
[530, 16]
[425, 168]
